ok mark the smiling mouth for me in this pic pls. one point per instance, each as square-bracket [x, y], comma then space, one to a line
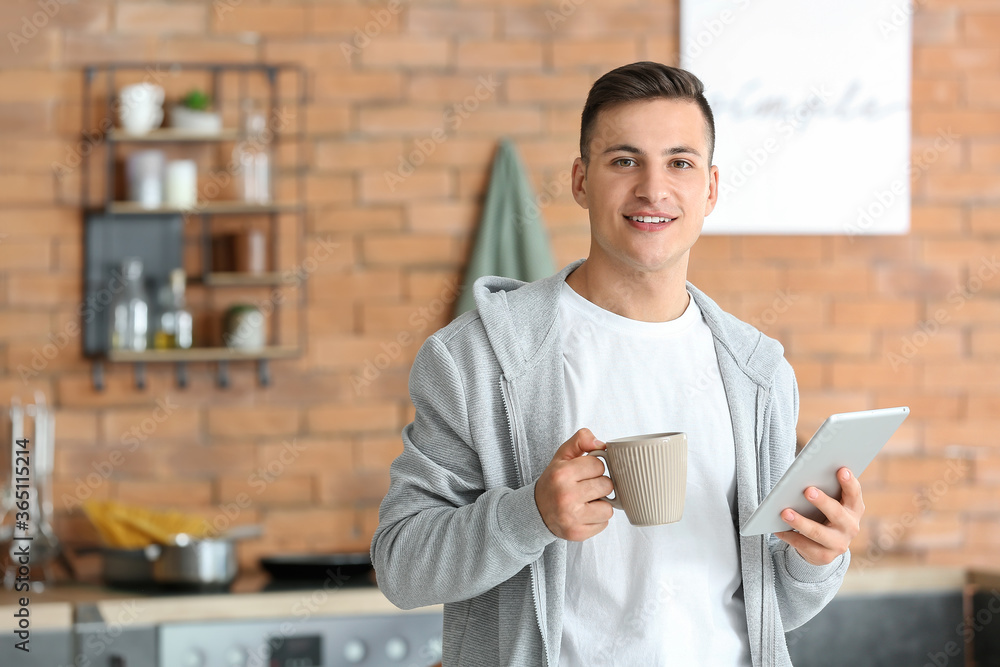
[655, 219]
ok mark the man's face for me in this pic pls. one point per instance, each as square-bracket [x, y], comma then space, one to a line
[648, 159]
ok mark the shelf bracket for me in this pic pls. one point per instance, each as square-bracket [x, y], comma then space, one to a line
[263, 373]
[97, 375]
[182, 374]
[139, 369]
[222, 374]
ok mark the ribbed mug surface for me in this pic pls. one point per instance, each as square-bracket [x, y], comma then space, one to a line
[649, 473]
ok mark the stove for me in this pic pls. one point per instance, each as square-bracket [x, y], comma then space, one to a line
[314, 627]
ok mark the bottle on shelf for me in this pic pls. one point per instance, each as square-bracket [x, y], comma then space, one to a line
[253, 159]
[175, 328]
[130, 310]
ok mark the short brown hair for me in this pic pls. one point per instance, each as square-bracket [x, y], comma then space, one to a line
[643, 81]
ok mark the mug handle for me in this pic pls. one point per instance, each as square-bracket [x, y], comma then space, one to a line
[615, 502]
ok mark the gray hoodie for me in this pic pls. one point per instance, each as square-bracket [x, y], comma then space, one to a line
[459, 525]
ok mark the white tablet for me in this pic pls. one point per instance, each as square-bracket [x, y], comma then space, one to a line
[848, 439]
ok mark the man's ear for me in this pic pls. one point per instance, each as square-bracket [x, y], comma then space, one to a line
[579, 182]
[713, 189]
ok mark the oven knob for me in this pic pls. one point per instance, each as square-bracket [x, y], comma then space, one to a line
[354, 651]
[236, 656]
[193, 658]
[395, 648]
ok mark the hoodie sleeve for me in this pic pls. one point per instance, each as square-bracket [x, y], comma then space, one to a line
[442, 537]
[803, 589]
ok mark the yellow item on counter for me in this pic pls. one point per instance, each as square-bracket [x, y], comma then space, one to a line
[132, 527]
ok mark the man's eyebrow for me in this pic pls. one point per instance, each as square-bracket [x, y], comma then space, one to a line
[629, 148]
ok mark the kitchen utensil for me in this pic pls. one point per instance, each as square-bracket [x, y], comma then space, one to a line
[182, 183]
[184, 564]
[348, 569]
[145, 177]
[140, 107]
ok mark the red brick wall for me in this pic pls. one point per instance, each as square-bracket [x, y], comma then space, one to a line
[841, 307]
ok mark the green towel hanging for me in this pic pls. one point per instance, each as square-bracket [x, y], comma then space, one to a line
[511, 240]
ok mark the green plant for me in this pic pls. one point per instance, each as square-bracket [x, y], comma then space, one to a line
[197, 100]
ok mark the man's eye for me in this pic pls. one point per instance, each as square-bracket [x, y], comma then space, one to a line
[624, 162]
[681, 164]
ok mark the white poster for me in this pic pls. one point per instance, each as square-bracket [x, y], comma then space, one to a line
[812, 112]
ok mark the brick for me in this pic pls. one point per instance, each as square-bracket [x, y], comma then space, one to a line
[928, 405]
[336, 219]
[891, 504]
[164, 493]
[411, 249]
[352, 352]
[24, 324]
[253, 421]
[357, 24]
[313, 55]
[918, 281]
[348, 155]
[258, 18]
[301, 456]
[934, 532]
[552, 153]
[966, 433]
[375, 453]
[954, 375]
[513, 54]
[160, 17]
[985, 343]
[203, 48]
[948, 59]
[567, 248]
[472, 183]
[455, 152]
[981, 28]
[195, 461]
[404, 119]
[355, 286]
[294, 524]
[920, 343]
[506, 120]
[723, 278]
[829, 280]
[25, 255]
[458, 21]
[982, 92]
[76, 426]
[875, 313]
[935, 27]
[324, 119]
[784, 309]
[37, 289]
[366, 86]
[420, 183]
[406, 52]
[988, 470]
[787, 249]
[964, 123]
[412, 317]
[907, 471]
[443, 217]
[162, 420]
[20, 188]
[966, 307]
[929, 220]
[80, 48]
[607, 53]
[273, 492]
[874, 249]
[326, 188]
[548, 88]
[985, 156]
[839, 342]
[660, 49]
[932, 93]
[878, 374]
[353, 418]
[970, 500]
[425, 284]
[339, 486]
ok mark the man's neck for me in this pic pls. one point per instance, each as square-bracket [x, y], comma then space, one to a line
[658, 296]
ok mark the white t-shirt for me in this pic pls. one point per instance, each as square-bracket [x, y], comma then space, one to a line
[659, 595]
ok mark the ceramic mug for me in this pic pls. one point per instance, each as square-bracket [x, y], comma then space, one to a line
[140, 107]
[649, 473]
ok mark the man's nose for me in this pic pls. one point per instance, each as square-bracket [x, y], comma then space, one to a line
[654, 185]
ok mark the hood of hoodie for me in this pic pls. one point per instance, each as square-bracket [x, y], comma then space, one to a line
[521, 321]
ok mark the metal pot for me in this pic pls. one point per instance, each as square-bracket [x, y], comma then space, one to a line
[186, 564]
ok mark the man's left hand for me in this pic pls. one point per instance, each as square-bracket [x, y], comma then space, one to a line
[821, 543]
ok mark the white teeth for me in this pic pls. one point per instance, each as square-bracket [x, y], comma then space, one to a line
[649, 218]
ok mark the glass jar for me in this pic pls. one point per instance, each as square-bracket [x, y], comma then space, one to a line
[130, 310]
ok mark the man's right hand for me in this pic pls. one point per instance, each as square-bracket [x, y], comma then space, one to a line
[569, 492]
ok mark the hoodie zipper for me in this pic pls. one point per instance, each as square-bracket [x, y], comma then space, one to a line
[509, 407]
[767, 565]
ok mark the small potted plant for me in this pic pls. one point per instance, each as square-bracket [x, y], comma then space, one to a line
[194, 114]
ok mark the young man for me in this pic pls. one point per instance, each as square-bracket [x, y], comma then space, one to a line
[489, 514]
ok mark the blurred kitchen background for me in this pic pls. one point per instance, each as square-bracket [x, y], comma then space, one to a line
[394, 121]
